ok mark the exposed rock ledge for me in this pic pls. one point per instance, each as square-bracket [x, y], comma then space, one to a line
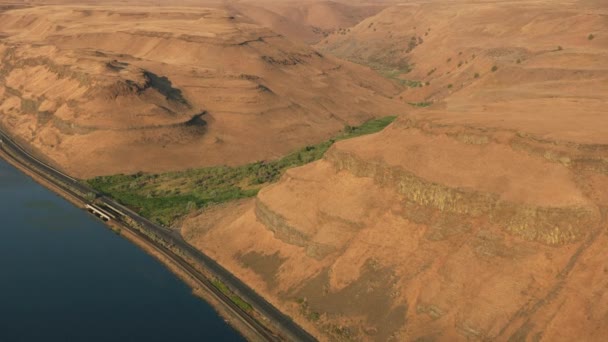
[527, 212]
[549, 225]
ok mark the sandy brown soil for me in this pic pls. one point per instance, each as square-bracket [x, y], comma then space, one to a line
[534, 44]
[102, 90]
[306, 21]
[482, 217]
[382, 247]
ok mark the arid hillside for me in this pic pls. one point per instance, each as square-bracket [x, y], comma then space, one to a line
[436, 49]
[102, 90]
[479, 217]
[306, 21]
[479, 214]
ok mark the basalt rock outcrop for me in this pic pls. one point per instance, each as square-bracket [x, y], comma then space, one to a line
[427, 230]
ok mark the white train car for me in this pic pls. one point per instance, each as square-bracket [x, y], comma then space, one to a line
[102, 214]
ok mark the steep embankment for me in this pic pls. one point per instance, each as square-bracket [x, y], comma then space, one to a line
[482, 217]
[102, 90]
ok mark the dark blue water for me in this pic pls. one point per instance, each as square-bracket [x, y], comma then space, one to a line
[65, 277]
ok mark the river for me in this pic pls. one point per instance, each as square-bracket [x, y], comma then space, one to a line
[65, 277]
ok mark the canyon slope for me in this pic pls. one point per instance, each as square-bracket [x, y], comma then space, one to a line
[480, 215]
[306, 21]
[103, 90]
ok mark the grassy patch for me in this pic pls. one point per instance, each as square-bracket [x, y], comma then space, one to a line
[305, 310]
[395, 74]
[420, 104]
[410, 83]
[234, 298]
[166, 197]
[392, 72]
[29, 106]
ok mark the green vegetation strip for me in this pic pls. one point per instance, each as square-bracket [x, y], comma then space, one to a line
[234, 298]
[166, 197]
[420, 104]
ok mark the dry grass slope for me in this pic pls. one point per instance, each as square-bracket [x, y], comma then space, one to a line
[103, 90]
[479, 217]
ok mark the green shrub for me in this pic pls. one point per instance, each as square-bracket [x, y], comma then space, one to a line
[591, 36]
[411, 83]
[314, 316]
[233, 297]
[494, 68]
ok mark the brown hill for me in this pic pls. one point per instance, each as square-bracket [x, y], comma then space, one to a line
[436, 49]
[306, 21]
[482, 217]
[104, 90]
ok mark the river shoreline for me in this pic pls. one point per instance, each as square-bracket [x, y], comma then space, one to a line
[233, 319]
